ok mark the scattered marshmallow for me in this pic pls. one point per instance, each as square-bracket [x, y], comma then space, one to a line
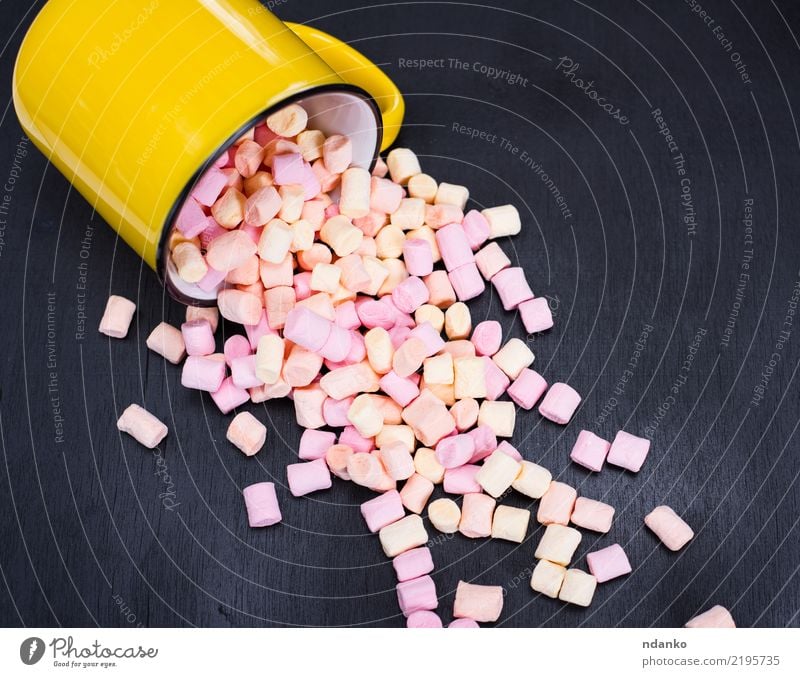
[671, 530]
[548, 578]
[628, 451]
[262, 504]
[117, 317]
[140, 424]
[716, 617]
[578, 587]
[247, 433]
[482, 603]
[608, 563]
[558, 544]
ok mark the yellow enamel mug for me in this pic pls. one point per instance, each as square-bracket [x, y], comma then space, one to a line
[133, 99]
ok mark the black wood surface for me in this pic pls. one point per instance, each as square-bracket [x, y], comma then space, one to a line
[97, 530]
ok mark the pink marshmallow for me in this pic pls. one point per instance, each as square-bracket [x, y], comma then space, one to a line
[628, 451]
[423, 619]
[429, 336]
[454, 247]
[608, 563]
[413, 564]
[418, 257]
[338, 345]
[382, 510]
[314, 444]
[496, 380]
[590, 451]
[203, 373]
[491, 260]
[228, 396]
[536, 315]
[255, 331]
[461, 480]
[417, 594]
[385, 195]
[476, 228]
[467, 282]
[375, 314]
[487, 337]
[351, 438]
[401, 390]
[262, 504]
[212, 279]
[209, 186]
[463, 623]
[335, 412]
[512, 287]
[482, 603]
[288, 168]
[304, 478]
[346, 316]
[485, 442]
[243, 372]
[527, 388]
[671, 530]
[198, 337]
[716, 617]
[560, 403]
[236, 346]
[410, 294]
[191, 219]
[307, 329]
[455, 451]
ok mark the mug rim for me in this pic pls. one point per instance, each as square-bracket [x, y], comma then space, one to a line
[166, 227]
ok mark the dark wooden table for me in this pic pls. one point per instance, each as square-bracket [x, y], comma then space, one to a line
[672, 266]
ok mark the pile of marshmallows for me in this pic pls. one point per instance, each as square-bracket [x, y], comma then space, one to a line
[332, 272]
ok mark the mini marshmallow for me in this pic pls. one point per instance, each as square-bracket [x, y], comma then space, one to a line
[547, 578]
[197, 313]
[167, 341]
[231, 208]
[337, 153]
[590, 451]
[536, 315]
[310, 142]
[628, 451]
[401, 390]
[558, 544]
[418, 257]
[465, 623]
[409, 357]
[230, 250]
[140, 424]
[455, 451]
[354, 200]
[364, 469]
[556, 504]
[469, 377]
[445, 515]
[491, 260]
[247, 433]
[423, 186]
[307, 329]
[497, 382]
[314, 444]
[410, 215]
[430, 314]
[716, 617]
[198, 337]
[382, 511]
[509, 451]
[259, 209]
[117, 317]
[457, 321]
[335, 412]
[238, 306]
[403, 164]
[423, 619]
[451, 194]
[413, 564]
[454, 246]
[229, 396]
[275, 241]
[465, 413]
[499, 416]
[416, 492]
[486, 337]
[476, 515]
[497, 473]
[391, 433]
[203, 373]
[365, 416]
[403, 535]
[429, 418]
[410, 294]
[427, 465]
[336, 458]
[397, 461]
[300, 368]
[437, 216]
[325, 277]
[578, 587]
[476, 228]
[482, 603]
[385, 196]
[341, 235]
[485, 442]
[513, 357]
[466, 281]
[262, 504]
[350, 380]
[527, 388]
[269, 359]
[512, 287]
[439, 369]
[510, 524]
[418, 594]
[560, 403]
[671, 530]
[304, 478]
[503, 221]
[608, 563]
[461, 480]
[442, 294]
[593, 515]
[288, 121]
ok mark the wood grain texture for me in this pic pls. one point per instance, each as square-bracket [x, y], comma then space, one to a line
[641, 300]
